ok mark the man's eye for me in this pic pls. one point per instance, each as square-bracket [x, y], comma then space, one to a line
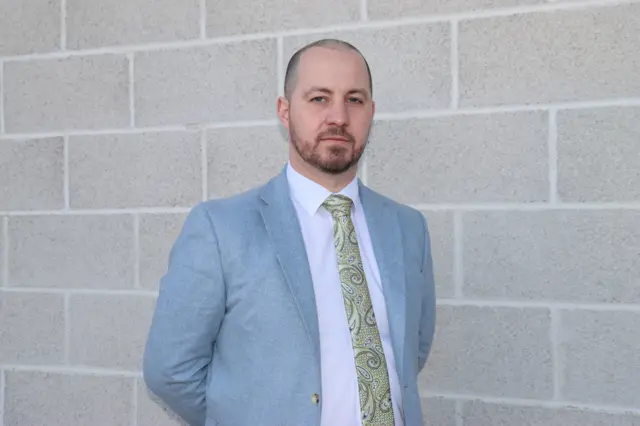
[356, 100]
[318, 99]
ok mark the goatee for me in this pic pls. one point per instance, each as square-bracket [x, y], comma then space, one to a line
[338, 161]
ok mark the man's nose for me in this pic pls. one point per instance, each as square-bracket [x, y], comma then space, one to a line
[337, 114]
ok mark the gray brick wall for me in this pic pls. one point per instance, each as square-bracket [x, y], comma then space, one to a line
[514, 125]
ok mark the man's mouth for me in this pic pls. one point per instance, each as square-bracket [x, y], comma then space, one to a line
[336, 138]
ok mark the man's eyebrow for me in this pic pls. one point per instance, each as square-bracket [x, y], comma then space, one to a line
[318, 89]
[362, 92]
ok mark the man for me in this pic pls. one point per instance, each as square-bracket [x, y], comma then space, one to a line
[308, 301]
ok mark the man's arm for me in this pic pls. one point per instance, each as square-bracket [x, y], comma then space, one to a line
[427, 319]
[188, 313]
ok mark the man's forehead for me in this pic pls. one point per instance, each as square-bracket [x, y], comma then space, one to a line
[329, 54]
[323, 66]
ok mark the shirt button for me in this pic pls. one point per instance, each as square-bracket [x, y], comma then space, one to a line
[315, 398]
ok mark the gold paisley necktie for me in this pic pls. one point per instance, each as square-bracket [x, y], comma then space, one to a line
[370, 362]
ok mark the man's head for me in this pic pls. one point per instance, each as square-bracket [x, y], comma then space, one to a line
[328, 107]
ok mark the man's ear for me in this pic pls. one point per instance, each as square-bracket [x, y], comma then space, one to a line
[283, 111]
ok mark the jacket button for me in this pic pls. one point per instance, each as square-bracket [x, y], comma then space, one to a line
[315, 398]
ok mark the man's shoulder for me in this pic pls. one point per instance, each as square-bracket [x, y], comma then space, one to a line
[230, 205]
[406, 213]
[246, 201]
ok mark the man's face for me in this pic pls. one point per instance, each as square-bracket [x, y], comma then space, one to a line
[330, 111]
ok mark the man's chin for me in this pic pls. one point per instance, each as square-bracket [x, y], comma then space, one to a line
[335, 166]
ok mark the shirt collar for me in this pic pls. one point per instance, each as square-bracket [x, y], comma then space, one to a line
[310, 195]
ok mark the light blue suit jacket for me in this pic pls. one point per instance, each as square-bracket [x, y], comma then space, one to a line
[234, 338]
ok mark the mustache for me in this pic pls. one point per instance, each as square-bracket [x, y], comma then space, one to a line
[336, 131]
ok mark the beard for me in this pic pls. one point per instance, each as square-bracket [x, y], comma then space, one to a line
[333, 160]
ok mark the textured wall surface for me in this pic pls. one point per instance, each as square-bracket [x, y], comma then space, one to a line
[513, 124]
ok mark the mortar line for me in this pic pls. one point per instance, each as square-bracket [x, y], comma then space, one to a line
[280, 64]
[61, 369]
[203, 19]
[82, 291]
[553, 156]
[136, 250]
[528, 207]
[364, 10]
[66, 173]
[132, 95]
[458, 412]
[63, 25]
[95, 212]
[204, 165]
[455, 66]
[134, 420]
[5, 251]
[547, 304]
[496, 207]
[2, 392]
[458, 253]
[557, 355]
[538, 403]
[2, 84]
[67, 328]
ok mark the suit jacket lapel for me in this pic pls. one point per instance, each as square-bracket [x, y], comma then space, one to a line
[384, 229]
[283, 227]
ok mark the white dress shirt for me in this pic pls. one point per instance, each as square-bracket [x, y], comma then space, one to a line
[340, 399]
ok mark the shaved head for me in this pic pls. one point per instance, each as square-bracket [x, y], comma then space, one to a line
[291, 75]
[327, 109]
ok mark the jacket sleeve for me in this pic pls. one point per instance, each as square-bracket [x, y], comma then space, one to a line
[428, 305]
[187, 317]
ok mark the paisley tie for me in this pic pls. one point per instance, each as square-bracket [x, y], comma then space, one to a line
[370, 362]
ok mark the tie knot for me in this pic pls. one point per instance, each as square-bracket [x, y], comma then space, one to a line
[338, 205]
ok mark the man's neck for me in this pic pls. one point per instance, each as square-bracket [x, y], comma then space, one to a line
[332, 182]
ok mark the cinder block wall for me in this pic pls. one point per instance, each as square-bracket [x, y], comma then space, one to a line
[513, 124]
